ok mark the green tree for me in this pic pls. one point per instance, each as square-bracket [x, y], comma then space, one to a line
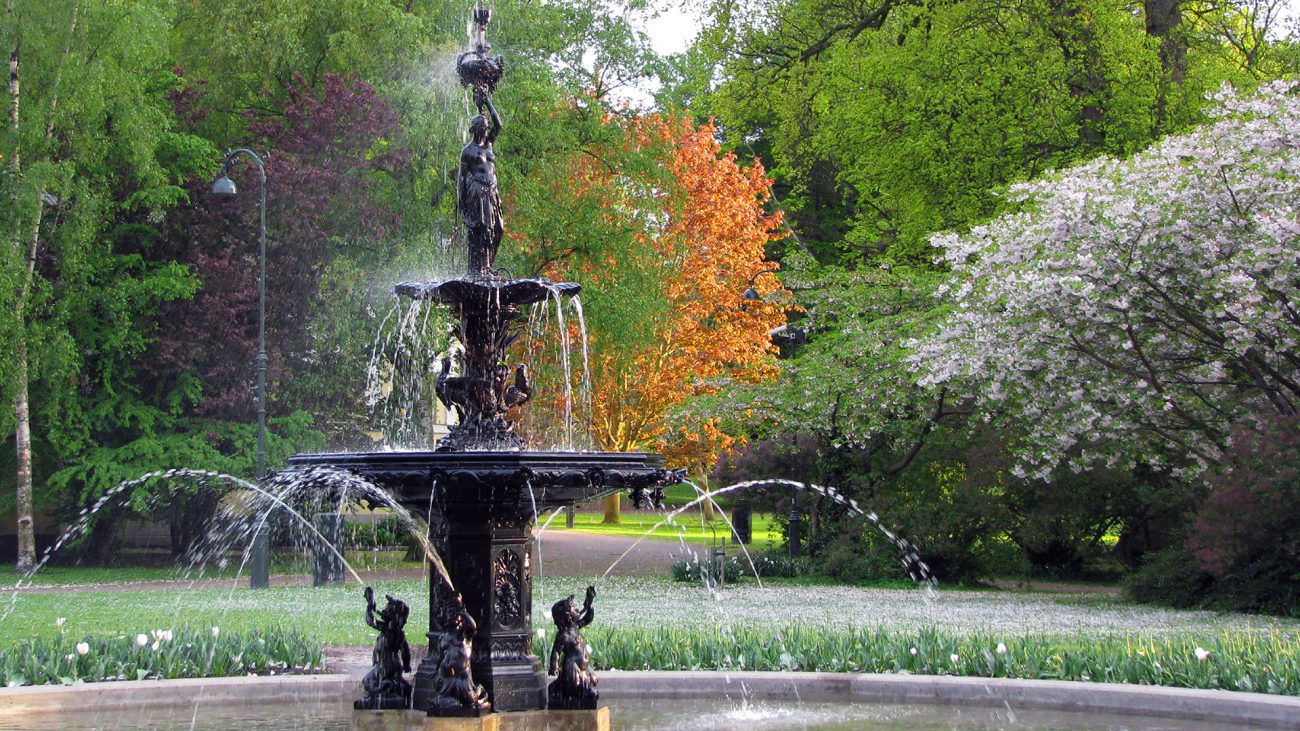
[91, 160]
[886, 121]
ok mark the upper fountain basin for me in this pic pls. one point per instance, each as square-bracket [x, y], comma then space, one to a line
[501, 291]
[556, 479]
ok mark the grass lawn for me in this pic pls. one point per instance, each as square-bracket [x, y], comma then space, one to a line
[334, 614]
[281, 563]
[688, 527]
[73, 575]
[659, 623]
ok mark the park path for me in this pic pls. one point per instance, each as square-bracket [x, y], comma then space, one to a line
[562, 553]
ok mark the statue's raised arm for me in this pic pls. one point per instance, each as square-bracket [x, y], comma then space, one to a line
[483, 100]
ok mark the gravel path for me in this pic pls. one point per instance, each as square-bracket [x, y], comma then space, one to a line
[562, 553]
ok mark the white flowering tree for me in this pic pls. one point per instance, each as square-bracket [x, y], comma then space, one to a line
[1136, 309]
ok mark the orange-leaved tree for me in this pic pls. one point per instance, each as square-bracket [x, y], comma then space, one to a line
[678, 242]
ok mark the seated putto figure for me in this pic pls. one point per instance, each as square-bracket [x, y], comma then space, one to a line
[574, 688]
[384, 685]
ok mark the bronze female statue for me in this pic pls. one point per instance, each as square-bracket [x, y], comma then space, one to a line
[479, 199]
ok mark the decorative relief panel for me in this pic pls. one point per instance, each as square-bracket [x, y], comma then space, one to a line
[507, 594]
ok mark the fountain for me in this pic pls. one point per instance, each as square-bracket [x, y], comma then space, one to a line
[480, 488]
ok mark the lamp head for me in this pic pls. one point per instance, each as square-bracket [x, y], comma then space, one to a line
[751, 295]
[224, 187]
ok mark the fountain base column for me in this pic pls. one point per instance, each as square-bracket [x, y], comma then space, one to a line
[492, 569]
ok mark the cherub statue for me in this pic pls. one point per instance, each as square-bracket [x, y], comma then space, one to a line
[574, 688]
[384, 685]
[456, 693]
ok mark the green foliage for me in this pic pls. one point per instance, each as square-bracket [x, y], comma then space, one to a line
[1172, 577]
[708, 571]
[158, 654]
[771, 564]
[886, 122]
[385, 533]
[185, 505]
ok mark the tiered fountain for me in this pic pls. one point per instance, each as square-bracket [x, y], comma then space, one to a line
[480, 488]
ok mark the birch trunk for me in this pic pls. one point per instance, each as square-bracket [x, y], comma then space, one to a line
[23, 432]
[23, 439]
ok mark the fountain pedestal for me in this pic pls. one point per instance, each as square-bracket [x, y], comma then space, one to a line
[481, 508]
[488, 547]
[480, 492]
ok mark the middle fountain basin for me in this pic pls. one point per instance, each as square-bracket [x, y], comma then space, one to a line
[481, 507]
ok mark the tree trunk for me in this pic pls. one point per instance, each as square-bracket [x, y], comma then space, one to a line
[1162, 20]
[22, 406]
[23, 439]
[613, 509]
[706, 507]
[23, 429]
[1086, 80]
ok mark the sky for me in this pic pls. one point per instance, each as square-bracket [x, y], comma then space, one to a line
[673, 30]
[670, 31]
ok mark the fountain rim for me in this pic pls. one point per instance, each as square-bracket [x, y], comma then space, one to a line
[1257, 709]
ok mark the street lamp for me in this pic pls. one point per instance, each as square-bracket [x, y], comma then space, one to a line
[795, 520]
[752, 294]
[259, 572]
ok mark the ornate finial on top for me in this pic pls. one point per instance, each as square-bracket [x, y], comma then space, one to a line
[475, 68]
[482, 16]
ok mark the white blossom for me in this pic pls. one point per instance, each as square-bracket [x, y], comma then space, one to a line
[1130, 300]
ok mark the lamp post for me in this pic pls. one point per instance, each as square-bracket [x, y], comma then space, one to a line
[795, 521]
[259, 572]
[752, 294]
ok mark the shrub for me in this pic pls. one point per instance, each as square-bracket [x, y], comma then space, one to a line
[1242, 551]
[385, 533]
[707, 571]
[1261, 662]
[1247, 532]
[1172, 578]
[778, 565]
